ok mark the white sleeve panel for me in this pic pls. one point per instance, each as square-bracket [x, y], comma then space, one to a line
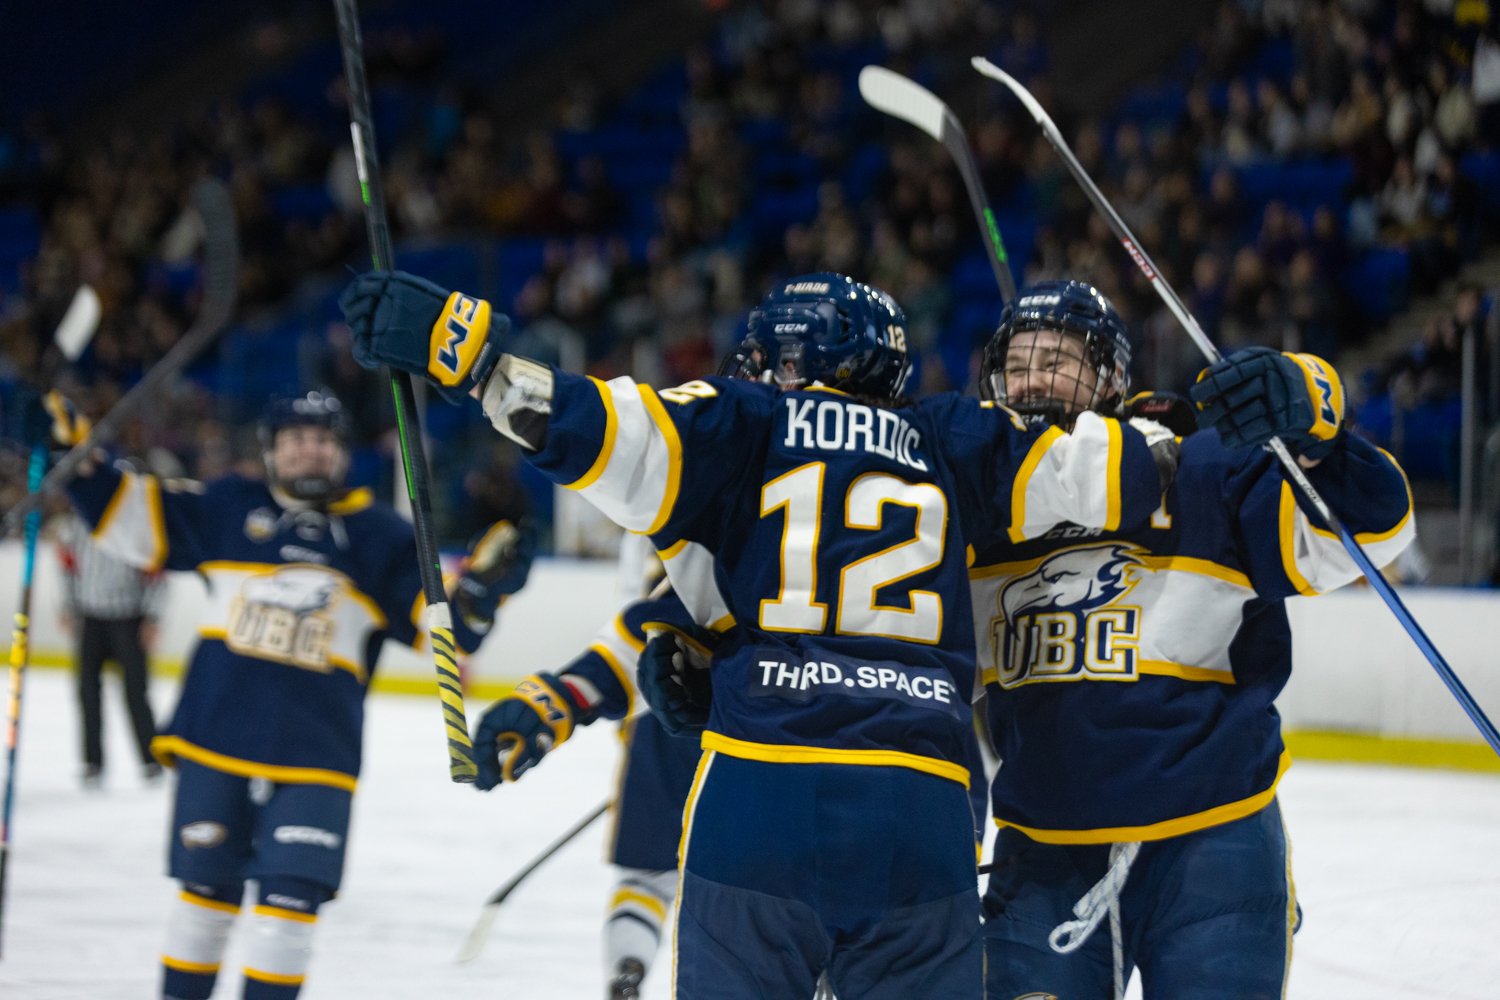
[1069, 477]
[635, 480]
[132, 528]
[620, 649]
[690, 567]
[1315, 561]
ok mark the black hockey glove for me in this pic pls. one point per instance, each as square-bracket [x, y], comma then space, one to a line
[517, 731]
[1258, 393]
[51, 420]
[673, 677]
[498, 565]
[412, 325]
[1174, 412]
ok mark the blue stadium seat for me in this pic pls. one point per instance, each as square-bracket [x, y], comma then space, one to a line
[301, 202]
[1483, 168]
[1377, 282]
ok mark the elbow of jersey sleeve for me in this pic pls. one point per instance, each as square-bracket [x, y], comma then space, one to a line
[92, 493]
[1363, 485]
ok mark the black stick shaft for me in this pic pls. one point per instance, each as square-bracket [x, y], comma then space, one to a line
[461, 766]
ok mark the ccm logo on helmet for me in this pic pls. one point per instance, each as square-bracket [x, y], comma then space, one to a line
[1039, 300]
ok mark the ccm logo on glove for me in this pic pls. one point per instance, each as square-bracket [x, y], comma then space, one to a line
[457, 338]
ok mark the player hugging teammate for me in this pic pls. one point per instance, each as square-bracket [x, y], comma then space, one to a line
[826, 833]
[823, 832]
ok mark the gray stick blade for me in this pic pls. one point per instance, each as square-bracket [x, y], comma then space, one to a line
[888, 91]
[478, 934]
[78, 323]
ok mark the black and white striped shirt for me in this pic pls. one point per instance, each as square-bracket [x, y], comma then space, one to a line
[98, 585]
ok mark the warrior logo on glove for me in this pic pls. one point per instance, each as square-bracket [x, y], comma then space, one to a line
[457, 338]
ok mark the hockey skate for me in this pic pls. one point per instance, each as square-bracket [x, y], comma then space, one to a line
[626, 984]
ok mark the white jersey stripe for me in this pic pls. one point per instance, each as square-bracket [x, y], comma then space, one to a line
[635, 480]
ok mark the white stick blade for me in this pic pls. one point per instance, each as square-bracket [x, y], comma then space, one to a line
[474, 943]
[78, 323]
[890, 92]
[989, 69]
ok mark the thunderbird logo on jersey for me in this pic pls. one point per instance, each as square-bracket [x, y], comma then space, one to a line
[1062, 621]
[457, 337]
[283, 617]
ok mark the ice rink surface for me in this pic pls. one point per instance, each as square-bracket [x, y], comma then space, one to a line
[1398, 872]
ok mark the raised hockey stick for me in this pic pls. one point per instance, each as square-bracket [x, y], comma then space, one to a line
[221, 256]
[890, 92]
[73, 334]
[1293, 471]
[474, 943]
[461, 766]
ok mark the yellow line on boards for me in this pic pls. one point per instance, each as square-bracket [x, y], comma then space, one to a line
[1404, 751]
[1308, 744]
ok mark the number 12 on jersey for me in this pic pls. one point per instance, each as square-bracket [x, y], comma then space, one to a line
[797, 496]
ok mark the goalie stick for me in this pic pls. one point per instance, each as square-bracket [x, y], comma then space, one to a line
[888, 91]
[1293, 471]
[220, 285]
[73, 334]
[474, 943]
[461, 765]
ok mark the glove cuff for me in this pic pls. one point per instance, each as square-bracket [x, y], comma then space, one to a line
[517, 399]
[551, 699]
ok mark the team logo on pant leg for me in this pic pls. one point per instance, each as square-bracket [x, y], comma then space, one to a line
[203, 833]
[310, 835]
[1063, 621]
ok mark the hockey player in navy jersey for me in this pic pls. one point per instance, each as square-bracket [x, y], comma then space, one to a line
[1132, 673]
[822, 529]
[305, 578]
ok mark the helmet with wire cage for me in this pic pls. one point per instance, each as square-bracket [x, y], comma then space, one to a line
[1084, 366]
[314, 408]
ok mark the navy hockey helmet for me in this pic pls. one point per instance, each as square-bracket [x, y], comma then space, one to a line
[826, 328]
[1047, 391]
[314, 408]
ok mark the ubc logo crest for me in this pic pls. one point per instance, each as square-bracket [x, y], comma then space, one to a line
[1062, 621]
[285, 617]
[457, 337]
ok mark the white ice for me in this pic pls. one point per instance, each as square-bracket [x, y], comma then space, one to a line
[1398, 871]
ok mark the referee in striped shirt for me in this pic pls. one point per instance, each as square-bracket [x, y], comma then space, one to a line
[113, 607]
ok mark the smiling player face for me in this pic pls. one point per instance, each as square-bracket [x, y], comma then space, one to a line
[1043, 366]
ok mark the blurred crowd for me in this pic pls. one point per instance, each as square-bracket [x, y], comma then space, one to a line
[641, 227]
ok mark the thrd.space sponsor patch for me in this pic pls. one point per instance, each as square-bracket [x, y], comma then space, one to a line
[801, 679]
